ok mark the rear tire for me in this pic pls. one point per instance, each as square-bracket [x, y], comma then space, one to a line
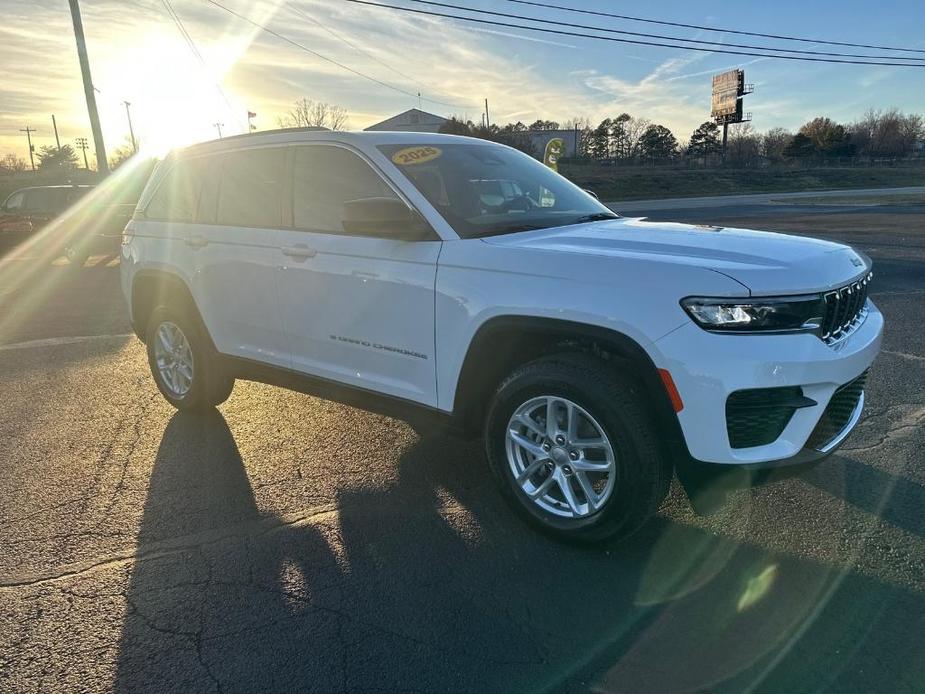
[185, 366]
[610, 459]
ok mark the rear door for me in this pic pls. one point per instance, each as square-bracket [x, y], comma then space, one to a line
[235, 249]
[356, 309]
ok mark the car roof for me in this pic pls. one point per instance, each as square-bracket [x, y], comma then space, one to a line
[293, 135]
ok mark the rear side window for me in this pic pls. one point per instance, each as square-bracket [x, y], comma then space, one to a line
[177, 195]
[252, 188]
[324, 177]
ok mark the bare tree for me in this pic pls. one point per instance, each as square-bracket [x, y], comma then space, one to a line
[889, 133]
[744, 145]
[307, 113]
[774, 143]
[10, 163]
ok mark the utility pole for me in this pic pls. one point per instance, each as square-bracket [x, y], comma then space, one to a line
[81, 143]
[102, 165]
[55, 126]
[131, 133]
[29, 132]
[487, 119]
[218, 126]
[725, 137]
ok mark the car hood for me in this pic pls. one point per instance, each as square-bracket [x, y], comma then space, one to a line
[767, 263]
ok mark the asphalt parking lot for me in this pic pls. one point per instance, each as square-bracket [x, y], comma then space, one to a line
[283, 543]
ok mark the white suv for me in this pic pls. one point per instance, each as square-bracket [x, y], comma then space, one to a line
[457, 279]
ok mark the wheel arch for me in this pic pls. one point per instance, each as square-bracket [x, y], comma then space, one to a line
[153, 288]
[504, 342]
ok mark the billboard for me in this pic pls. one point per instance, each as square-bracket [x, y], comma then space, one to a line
[728, 88]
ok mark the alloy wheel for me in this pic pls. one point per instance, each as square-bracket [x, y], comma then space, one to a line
[560, 457]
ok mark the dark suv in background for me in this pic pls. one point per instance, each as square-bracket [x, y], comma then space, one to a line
[93, 228]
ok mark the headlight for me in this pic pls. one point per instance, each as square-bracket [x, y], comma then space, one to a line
[776, 314]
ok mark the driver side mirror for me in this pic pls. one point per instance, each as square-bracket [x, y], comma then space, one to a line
[387, 217]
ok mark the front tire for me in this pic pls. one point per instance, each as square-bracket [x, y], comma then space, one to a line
[575, 450]
[185, 366]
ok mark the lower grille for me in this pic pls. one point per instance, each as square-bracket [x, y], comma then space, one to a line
[837, 413]
[759, 416]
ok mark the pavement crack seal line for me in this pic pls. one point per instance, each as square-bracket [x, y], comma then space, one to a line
[904, 355]
[908, 424]
[186, 543]
[58, 341]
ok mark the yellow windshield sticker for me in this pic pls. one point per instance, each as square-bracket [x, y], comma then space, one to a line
[415, 155]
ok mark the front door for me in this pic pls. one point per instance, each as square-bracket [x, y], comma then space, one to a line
[356, 309]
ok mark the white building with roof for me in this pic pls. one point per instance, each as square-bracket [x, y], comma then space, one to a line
[412, 121]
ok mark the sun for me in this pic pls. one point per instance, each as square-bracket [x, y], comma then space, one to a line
[175, 99]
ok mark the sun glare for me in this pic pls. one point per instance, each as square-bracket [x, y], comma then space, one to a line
[175, 99]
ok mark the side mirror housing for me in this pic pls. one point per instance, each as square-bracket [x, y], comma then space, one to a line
[388, 217]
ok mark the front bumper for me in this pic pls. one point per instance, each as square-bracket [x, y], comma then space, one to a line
[707, 368]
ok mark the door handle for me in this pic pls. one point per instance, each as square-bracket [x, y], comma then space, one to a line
[299, 252]
[197, 241]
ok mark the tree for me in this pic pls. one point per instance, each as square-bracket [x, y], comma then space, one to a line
[828, 137]
[544, 125]
[705, 140]
[888, 133]
[599, 142]
[799, 147]
[307, 113]
[123, 153]
[53, 158]
[744, 145]
[658, 143]
[457, 126]
[626, 136]
[10, 163]
[774, 143]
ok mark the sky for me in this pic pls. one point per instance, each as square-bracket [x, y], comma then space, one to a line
[138, 54]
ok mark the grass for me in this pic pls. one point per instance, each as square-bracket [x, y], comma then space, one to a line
[614, 184]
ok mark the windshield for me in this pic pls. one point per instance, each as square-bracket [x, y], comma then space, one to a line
[485, 190]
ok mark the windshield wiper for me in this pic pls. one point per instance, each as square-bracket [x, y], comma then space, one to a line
[595, 217]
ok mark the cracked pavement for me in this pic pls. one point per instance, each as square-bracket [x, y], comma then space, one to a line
[285, 543]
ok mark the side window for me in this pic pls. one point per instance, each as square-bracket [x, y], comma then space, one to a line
[208, 197]
[324, 177]
[177, 195]
[14, 202]
[40, 200]
[252, 188]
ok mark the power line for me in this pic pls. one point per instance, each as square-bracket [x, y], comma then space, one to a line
[194, 49]
[369, 55]
[298, 45]
[608, 30]
[576, 10]
[614, 39]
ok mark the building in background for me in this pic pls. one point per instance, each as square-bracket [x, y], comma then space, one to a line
[411, 121]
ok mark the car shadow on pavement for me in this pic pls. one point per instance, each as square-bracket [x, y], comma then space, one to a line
[897, 500]
[431, 584]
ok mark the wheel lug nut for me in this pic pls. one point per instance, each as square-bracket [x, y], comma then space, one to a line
[573, 455]
[560, 439]
[546, 446]
[567, 469]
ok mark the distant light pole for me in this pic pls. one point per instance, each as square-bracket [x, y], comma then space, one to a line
[218, 126]
[131, 133]
[81, 143]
